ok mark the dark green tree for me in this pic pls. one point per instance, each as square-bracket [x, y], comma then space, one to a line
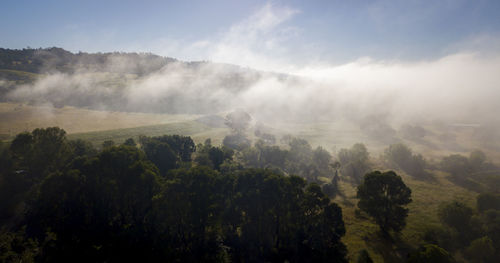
[459, 217]
[211, 156]
[383, 196]
[80, 148]
[40, 152]
[130, 142]
[487, 201]
[186, 215]
[161, 154]
[456, 215]
[107, 144]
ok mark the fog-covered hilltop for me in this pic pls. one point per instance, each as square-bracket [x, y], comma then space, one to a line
[138, 82]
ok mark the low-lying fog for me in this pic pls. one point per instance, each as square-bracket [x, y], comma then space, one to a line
[460, 88]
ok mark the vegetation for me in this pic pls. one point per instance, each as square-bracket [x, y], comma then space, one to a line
[383, 197]
[431, 254]
[400, 156]
[163, 198]
[150, 203]
[354, 162]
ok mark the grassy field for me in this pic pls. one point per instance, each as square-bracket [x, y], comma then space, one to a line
[427, 196]
[199, 132]
[19, 117]
[21, 77]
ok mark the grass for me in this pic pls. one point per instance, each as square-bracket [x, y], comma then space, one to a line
[21, 77]
[361, 233]
[19, 117]
[198, 131]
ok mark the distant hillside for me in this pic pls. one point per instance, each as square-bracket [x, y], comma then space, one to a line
[132, 82]
[53, 59]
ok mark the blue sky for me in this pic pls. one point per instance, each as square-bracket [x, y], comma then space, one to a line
[250, 32]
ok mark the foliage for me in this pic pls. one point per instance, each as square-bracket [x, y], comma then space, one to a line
[86, 212]
[108, 144]
[130, 142]
[477, 159]
[401, 156]
[456, 215]
[236, 141]
[113, 206]
[430, 253]
[383, 197]
[263, 155]
[238, 121]
[441, 236]
[487, 201]
[354, 162]
[457, 165]
[481, 250]
[161, 154]
[14, 247]
[211, 156]
[57, 59]
[168, 151]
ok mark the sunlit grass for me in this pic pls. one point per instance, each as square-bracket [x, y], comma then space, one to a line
[426, 195]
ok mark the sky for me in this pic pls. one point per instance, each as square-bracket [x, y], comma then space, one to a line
[270, 35]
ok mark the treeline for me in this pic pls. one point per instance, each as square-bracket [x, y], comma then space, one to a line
[66, 201]
[165, 198]
[49, 60]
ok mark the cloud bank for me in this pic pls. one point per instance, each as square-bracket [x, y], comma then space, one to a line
[461, 87]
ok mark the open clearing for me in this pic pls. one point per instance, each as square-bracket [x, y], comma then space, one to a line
[18, 117]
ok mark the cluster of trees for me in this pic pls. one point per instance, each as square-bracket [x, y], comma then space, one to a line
[165, 198]
[297, 157]
[354, 162]
[473, 232]
[162, 200]
[473, 172]
[400, 156]
[460, 166]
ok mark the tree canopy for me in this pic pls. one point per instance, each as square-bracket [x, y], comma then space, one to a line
[384, 196]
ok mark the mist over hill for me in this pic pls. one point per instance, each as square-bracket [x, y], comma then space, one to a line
[458, 88]
[137, 82]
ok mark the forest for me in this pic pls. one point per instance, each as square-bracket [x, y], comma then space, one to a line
[164, 198]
